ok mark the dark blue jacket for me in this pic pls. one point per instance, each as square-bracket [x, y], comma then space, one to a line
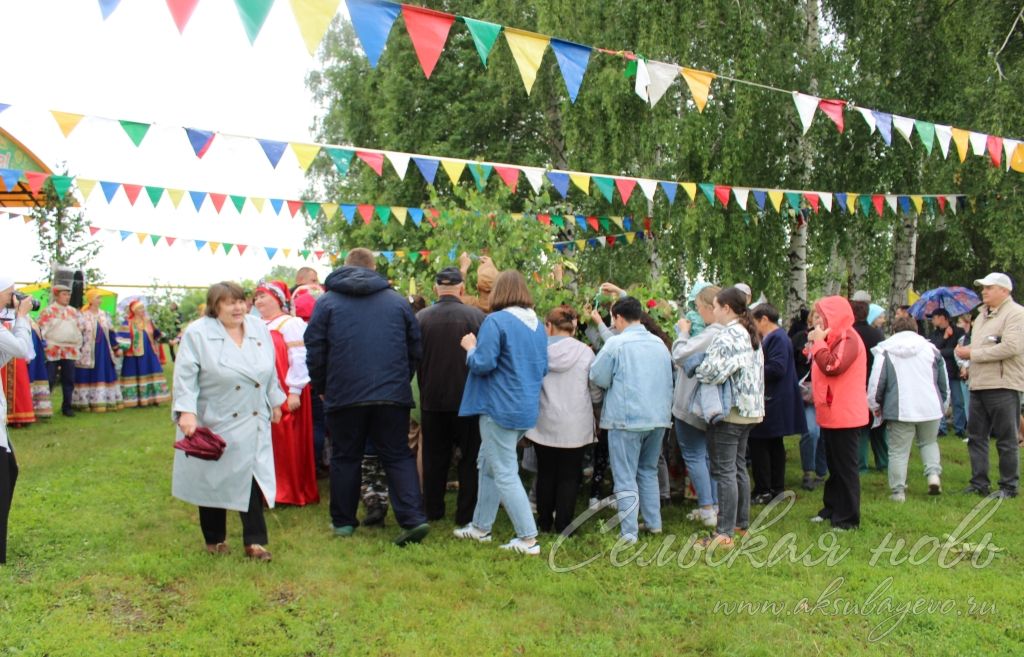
[783, 406]
[362, 342]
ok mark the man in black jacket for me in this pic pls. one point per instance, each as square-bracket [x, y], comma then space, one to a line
[362, 349]
[945, 338]
[875, 437]
[442, 377]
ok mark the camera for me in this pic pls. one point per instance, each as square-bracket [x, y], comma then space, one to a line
[18, 296]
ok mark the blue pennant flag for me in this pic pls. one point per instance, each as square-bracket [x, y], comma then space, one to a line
[197, 199]
[271, 251]
[273, 149]
[582, 221]
[372, 20]
[109, 189]
[427, 167]
[841, 201]
[627, 223]
[670, 190]
[883, 122]
[560, 181]
[107, 7]
[277, 204]
[125, 234]
[4, 106]
[759, 197]
[904, 202]
[572, 61]
[349, 211]
[200, 244]
[388, 255]
[560, 246]
[200, 140]
[416, 215]
[10, 178]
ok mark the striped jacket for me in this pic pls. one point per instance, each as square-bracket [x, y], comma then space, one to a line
[730, 358]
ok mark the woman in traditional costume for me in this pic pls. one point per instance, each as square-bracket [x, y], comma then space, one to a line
[39, 376]
[17, 389]
[294, 463]
[142, 378]
[96, 386]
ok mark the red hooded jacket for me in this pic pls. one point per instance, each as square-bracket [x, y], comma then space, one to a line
[838, 368]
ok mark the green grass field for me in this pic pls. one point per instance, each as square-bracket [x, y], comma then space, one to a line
[105, 562]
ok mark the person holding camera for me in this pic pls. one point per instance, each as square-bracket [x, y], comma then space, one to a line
[59, 324]
[996, 356]
[14, 343]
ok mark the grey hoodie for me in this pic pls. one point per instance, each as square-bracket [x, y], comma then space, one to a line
[566, 418]
[683, 348]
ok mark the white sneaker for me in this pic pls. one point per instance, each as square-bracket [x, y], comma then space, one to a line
[934, 484]
[520, 546]
[469, 531]
[817, 519]
[595, 504]
[898, 497]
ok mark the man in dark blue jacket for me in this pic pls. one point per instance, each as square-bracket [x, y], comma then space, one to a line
[362, 349]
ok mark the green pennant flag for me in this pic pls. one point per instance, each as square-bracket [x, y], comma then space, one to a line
[926, 131]
[61, 185]
[384, 212]
[342, 158]
[484, 35]
[304, 253]
[709, 192]
[930, 202]
[414, 256]
[480, 172]
[865, 204]
[630, 69]
[793, 198]
[253, 14]
[155, 238]
[227, 247]
[154, 194]
[136, 131]
[238, 202]
[605, 224]
[312, 209]
[606, 185]
[558, 220]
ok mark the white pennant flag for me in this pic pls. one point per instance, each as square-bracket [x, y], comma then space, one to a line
[826, 200]
[662, 75]
[534, 176]
[603, 241]
[643, 79]
[400, 161]
[904, 126]
[1009, 145]
[806, 106]
[891, 200]
[869, 118]
[979, 143]
[741, 194]
[651, 186]
[945, 134]
[951, 199]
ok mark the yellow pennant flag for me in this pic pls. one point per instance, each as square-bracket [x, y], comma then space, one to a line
[776, 198]
[175, 195]
[630, 236]
[918, 202]
[305, 154]
[287, 252]
[528, 50]
[142, 237]
[699, 83]
[581, 245]
[257, 203]
[517, 216]
[618, 221]
[27, 218]
[961, 138]
[66, 121]
[912, 296]
[214, 246]
[581, 180]
[1017, 159]
[85, 185]
[400, 213]
[313, 18]
[690, 188]
[851, 202]
[454, 169]
[399, 254]
[329, 210]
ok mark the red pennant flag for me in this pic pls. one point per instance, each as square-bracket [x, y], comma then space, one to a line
[293, 206]
[93, 230]
[218, 201]
[611, 241]
[544, 219]
[424, 254]
[879, 202]
[625, 187]
[181, 11]
[366, 212]
[995, 149]
[509, 175]
[942, 203]
[833, 109]
[433, 214]
[241, 248]
[428, 30]
[593, 222]
[131, 191]
[722, 194]
[170, 240]
[35, 180]
[813, 200]
[647, 224]
[375, 160]
[318, 254]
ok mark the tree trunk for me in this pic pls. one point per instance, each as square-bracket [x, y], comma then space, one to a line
[904, 261]
[858, 271]
[835, 272]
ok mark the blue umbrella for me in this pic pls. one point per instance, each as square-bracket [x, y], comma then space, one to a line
[955, 300]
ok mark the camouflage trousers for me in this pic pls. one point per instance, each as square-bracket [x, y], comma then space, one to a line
[374, 487]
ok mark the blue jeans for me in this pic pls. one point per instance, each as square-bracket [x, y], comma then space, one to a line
[499, 480]
[812, 451]
[634, 459]
[957, 401]
[693, 445]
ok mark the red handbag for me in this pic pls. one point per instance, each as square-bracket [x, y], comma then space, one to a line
[202, 444]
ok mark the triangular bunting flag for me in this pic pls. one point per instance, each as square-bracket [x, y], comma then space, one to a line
[305, 154]
[581, 180]
[793, 199]
[61, 185]
[107, 7]
[170, 240]
[904, 202]
[366, 212]
[136, 131]
[176, 195]
[427, 167]
[214, 246]
[878, 200]
[416, 214]
[560, 181]
[535, 177]
[197, 199]
[662, 76]
[181, 11]
[833, 109]
[528, 50]
[851, 203]
[348, 211]
[625, 187]
[428, 30]
[926, 133]
[509, 176]
[257, 202]
[372, 20]
[776, 196]
[293, 207]
[132, 192]
[648, 187]
[995, 149]
[688, 187]
[918, 202]
[826, 200]
[709, 192]
[699, 83]
[199, 244]
[199, 139]
[271, 252]
[125, 234]
[109, 189]
[384, 212]
[890, 200]
[962, 140]
[606, 186]
[904, 126]
[573, 60]
[374, 160]
[741, 194]
[813, 200]
[312, 209]
[66, 121]
[93, 230]
[154, 194]
[141, 237]
[227, 247]
[85, 186]
[865, 204]
[484, 35]
[218, 201]
[805, 107]
[841, 201]
[945, 135]
[454, 169]
[313, 18]
[979, 142]
[238, 202]
[342, 158]
[869, 118]
[760, 196]
[883, 122]
[400, 213]
[481, 173]
[722, 194]
[253, 14]
[399, 162]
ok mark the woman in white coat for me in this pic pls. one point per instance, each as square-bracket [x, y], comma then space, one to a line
[225, 380]
[16, 343]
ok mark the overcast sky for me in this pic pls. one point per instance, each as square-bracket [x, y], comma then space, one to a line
[61, 55]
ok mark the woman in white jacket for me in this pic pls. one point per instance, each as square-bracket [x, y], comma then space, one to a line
[565, 426]
[909, 389]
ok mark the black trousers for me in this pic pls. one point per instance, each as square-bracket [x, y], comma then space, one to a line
[559, 474]
[994, 413]
[388, 427]
[214, 522]
[841, 499]
[8, 477]
[443, 431]
[601, 462]
[67, 379]
[768, 465]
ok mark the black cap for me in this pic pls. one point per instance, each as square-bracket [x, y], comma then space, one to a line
[448, 276]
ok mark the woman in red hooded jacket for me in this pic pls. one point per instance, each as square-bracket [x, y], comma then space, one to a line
[838, 368]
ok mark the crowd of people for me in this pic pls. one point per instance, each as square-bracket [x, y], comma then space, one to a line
[323, 379]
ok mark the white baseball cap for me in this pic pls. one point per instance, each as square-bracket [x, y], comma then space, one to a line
[861, 295]
[744, 288]
[996, 278]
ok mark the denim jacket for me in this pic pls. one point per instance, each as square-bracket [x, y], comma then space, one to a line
[636, 370]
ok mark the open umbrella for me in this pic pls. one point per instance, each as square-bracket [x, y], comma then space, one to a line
[956, 301]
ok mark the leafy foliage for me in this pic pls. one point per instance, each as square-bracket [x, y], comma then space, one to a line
[63, 235]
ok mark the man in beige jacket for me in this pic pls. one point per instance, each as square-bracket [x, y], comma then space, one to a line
[996, 354]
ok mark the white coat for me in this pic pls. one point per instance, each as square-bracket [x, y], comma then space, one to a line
[232, 390]
[16, 343]
[566, 418]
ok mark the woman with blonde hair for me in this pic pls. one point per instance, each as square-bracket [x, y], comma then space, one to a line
[96, 385]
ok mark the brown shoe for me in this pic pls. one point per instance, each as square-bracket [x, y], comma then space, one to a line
[217, 548]
[257, 552]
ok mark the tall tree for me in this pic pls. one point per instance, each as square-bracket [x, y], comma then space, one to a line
[63, 233]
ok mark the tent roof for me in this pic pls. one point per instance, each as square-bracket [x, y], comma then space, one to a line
[14, 155]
